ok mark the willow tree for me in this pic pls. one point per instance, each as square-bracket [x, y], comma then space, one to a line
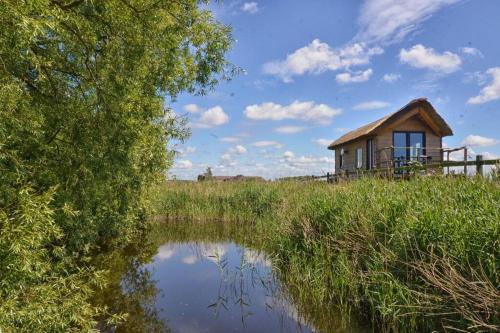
[83, 133]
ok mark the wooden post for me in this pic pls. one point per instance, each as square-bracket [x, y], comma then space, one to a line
[327, 177]
[448, 159]
[479, 165]
[465, 160]
[391, 164]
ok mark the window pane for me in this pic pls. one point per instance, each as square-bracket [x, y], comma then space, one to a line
[359, 158]
[400, 146]
[416, 145]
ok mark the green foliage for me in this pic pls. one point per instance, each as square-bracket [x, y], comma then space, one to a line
[410, 253]
[83, 135]
[207, 175]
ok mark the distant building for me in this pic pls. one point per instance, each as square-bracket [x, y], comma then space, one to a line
[237, 178]
[413, 133]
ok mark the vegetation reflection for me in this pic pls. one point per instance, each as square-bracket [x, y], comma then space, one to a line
[132, 294]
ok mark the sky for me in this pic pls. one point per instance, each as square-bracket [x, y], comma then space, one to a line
[313, 70]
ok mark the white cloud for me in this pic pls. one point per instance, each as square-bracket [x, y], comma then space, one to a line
[319, 57]
[230, 139]
[421, 57]
[212, 117]
[479, 141]
[290, 129]
[165, 252]
[323, 142]
[371, 105]
[320, 113]
[189, 260]
[183, 164]
[490, 92]
[226, 160]
[256, 258]
[476, 77]
[361, 76]
[250, 7]
[310, 161]
[267, 144]
[190, 150]
[390, 77]
[186, 151]
[226, 157]
[192, 108]
[472, 51]
[240, 149]
[213, 252]
[489, 156]
[288, 155]
[388, 21]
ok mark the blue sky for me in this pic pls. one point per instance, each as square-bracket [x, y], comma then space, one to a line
[316, 69]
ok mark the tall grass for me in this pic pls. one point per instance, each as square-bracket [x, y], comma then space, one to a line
[422, 254]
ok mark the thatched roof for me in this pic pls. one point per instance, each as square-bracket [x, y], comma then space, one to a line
[426, 110]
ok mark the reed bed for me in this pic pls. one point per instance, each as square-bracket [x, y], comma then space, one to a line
[417, 255]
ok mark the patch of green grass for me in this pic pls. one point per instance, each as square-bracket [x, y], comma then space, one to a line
[416, 255]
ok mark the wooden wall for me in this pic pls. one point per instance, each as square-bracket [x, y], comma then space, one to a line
[350, 156]
[384, 139]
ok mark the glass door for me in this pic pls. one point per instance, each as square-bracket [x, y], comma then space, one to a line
[408, 146]
[399, 144]
[416, 146]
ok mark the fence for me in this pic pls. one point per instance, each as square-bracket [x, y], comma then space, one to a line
[393, 171]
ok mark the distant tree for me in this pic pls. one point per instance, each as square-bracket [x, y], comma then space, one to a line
[207, 175]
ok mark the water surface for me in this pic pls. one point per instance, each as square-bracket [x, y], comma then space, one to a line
[210, 285]
[220, 287]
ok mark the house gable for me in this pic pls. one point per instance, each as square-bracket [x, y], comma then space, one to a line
[418, 106]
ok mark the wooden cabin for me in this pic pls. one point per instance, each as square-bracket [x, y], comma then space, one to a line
[413, 133]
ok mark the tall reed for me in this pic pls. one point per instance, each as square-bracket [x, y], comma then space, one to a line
[422, 254]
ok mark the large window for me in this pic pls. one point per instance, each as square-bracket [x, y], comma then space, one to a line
[359, 158]
[408, 146]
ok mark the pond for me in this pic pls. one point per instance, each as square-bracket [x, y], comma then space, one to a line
[209, 284]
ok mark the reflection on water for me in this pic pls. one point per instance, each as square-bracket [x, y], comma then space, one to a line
[203, 286]
[220, 287]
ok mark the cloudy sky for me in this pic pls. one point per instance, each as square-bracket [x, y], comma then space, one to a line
[316, 69]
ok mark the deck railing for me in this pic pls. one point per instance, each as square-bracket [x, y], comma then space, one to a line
[422, 164]
[423, 161]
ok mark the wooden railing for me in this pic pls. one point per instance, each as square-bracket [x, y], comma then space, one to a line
[391, 172]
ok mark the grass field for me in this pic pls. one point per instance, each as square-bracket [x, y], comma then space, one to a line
[422, 254]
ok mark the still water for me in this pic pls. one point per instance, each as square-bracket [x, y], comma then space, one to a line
[203, 286]
[221, 287]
